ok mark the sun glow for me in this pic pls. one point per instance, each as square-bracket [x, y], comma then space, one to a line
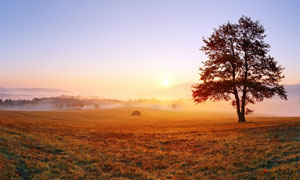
[165, 82]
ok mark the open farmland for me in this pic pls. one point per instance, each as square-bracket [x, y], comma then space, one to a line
[111, 144]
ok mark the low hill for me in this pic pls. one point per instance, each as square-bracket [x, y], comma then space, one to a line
[29, 93]
[184, 91]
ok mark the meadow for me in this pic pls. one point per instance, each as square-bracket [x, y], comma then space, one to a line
[112, 144]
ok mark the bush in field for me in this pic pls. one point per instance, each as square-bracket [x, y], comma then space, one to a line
[136, 113]
[174, 106]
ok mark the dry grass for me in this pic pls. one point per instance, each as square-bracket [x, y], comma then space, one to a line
[111, 144]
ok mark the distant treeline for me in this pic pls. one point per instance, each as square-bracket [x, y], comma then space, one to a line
[61, 102]
[77, 102]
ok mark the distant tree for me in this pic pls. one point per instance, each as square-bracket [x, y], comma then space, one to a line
[174, 106]
[1, 101]
[8, 102]
[35, 100]
[238, 67]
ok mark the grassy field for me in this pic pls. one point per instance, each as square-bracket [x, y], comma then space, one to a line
[111, 144]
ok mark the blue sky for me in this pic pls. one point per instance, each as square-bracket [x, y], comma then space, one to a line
[108, 46]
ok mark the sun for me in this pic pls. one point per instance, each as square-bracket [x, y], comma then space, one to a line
[165, 82]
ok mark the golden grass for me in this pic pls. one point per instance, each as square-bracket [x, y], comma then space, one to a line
[111, 144]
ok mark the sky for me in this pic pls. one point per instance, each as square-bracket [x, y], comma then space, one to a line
[117, 48]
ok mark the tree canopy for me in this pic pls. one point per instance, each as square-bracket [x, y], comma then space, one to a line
[239, 68]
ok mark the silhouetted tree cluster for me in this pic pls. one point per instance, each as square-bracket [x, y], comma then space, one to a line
[13, 102]
[60, 102]
[239, 67]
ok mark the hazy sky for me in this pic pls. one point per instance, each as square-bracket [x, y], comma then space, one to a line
[107, 47]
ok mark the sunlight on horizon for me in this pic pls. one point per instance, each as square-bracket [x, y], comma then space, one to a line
[166, 82]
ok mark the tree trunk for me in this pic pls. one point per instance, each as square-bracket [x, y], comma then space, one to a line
[240, 113]
[242, 118]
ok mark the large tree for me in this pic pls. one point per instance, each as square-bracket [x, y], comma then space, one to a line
[238, 68]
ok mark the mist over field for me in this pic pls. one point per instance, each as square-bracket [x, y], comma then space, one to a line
[175, 98]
